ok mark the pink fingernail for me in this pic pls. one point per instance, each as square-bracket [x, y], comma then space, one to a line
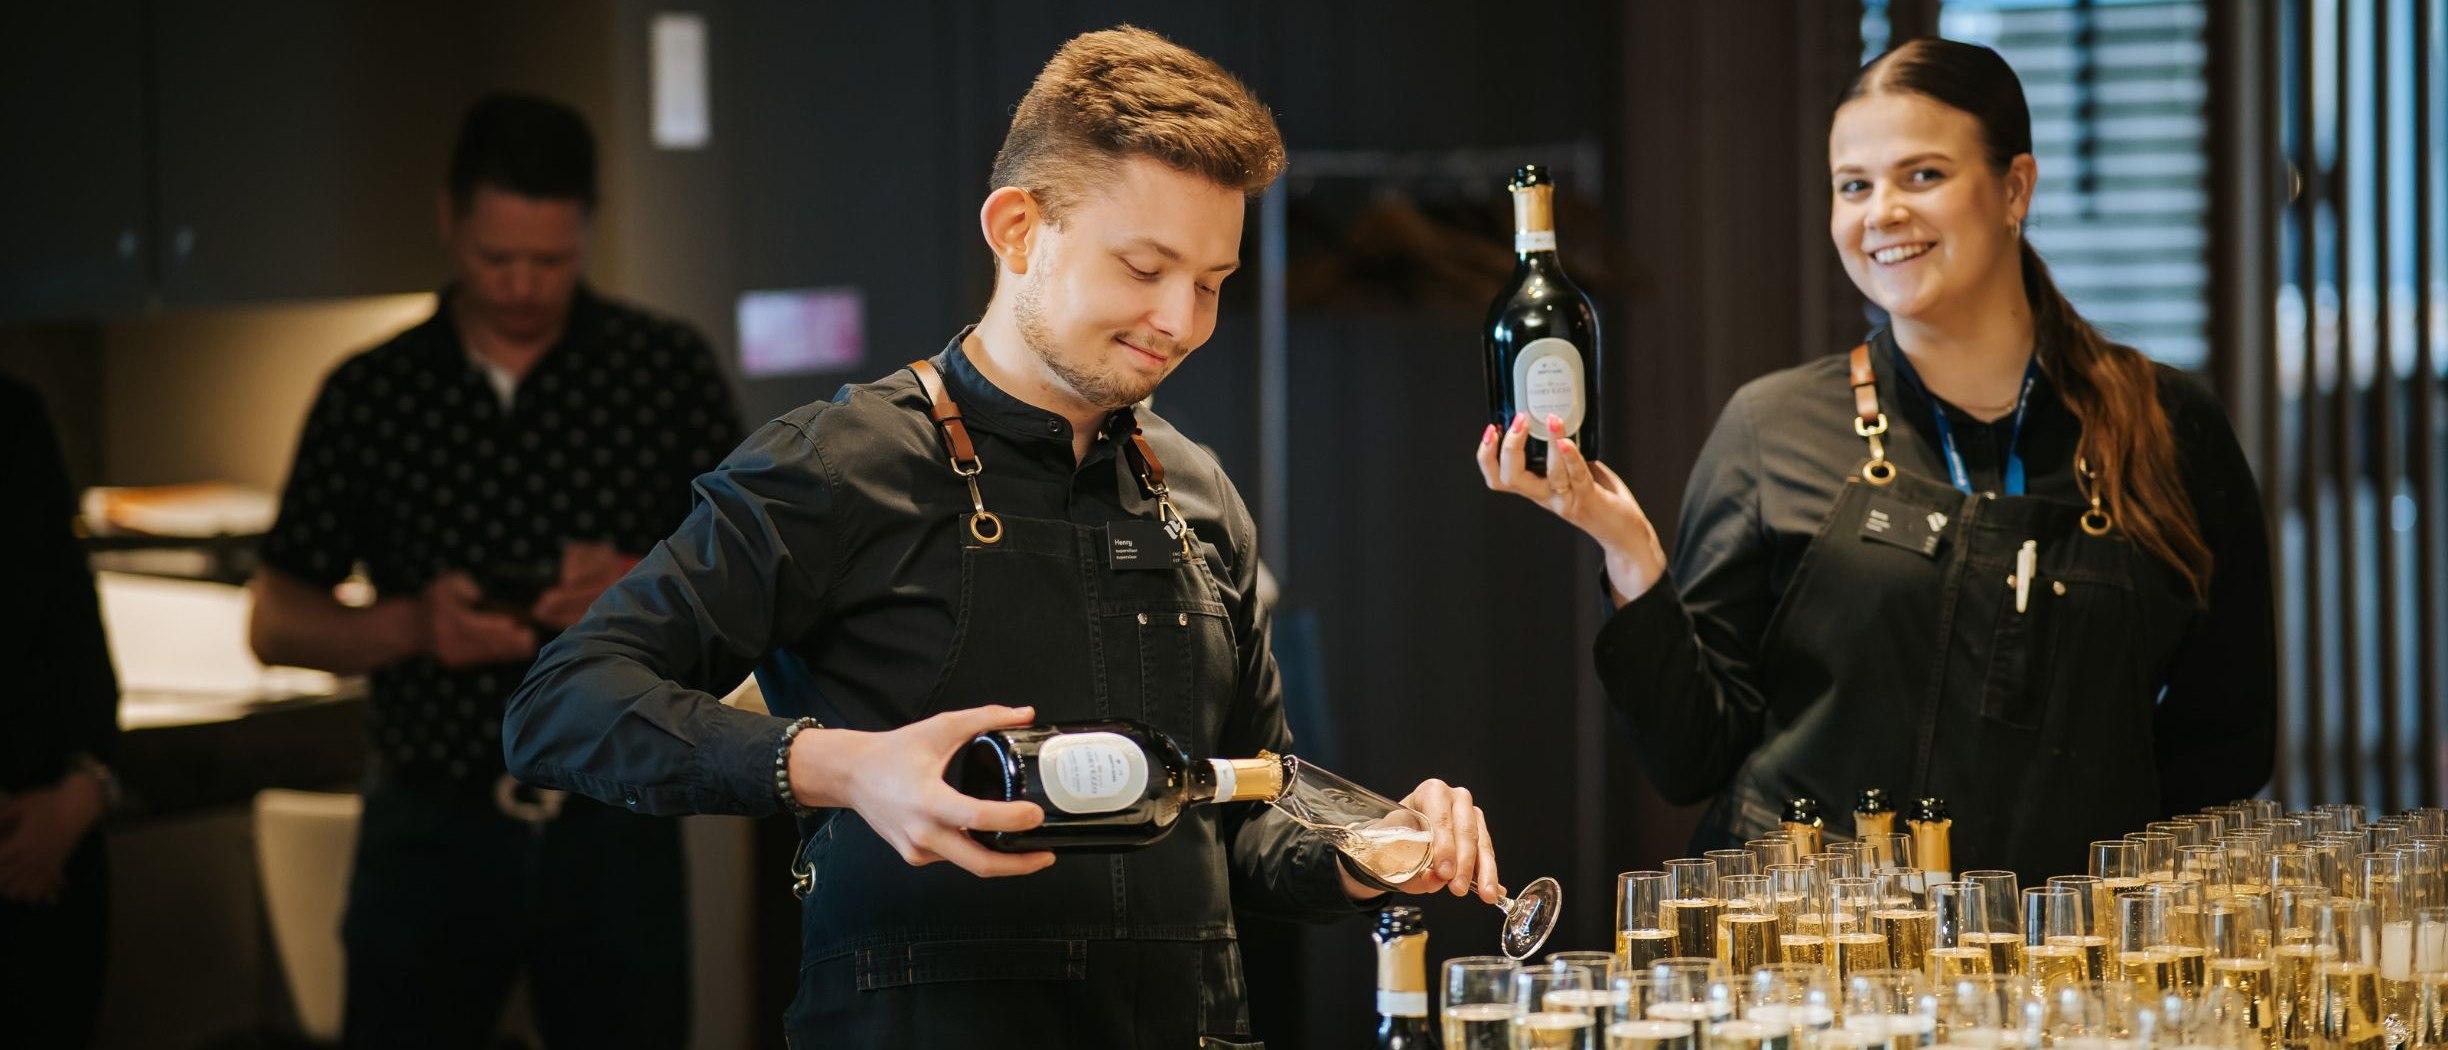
[1521, 422]
[1555, 424]
[1489, 436]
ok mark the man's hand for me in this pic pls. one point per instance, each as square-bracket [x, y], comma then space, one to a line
[895, 781]
[1461, 855]
[38, 830]
[587, 570]
[460, 635]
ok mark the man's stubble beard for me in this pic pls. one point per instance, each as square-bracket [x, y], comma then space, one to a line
[1099, 391]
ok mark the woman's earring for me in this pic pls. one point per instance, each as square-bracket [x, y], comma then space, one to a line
[2015, 228]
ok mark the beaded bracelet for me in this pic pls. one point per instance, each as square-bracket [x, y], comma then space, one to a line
[782, 785]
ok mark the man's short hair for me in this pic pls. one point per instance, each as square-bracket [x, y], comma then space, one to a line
[527, 144]
[1126, 92]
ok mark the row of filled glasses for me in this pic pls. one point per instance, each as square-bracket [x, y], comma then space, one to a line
[1580, 1001]
[2326, 929]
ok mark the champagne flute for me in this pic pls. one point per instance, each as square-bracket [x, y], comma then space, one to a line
[1391, 842]
[2052, 921]
[1478, 1003]
[1640, 937]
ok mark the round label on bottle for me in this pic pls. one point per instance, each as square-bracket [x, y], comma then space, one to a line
[1092, 772]
[1547, 381]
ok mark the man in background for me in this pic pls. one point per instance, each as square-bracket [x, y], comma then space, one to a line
[493, 469]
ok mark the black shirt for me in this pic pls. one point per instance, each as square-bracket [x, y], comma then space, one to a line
[62, 697]
[411, 465]
[825, 555]
[1680, 660]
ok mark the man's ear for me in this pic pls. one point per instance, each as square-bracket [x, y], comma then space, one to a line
[1010, 219]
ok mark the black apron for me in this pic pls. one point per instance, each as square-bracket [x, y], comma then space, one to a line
[1884, 666]
[1119, 950]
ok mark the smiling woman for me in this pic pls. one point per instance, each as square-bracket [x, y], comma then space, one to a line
[1836, 619]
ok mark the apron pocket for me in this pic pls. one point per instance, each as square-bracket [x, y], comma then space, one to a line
[1223, 999]
[937, 962]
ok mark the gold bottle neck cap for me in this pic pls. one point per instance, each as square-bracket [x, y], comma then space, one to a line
[1259, 779]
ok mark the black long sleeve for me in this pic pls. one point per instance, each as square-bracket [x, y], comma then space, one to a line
[2216, 726]
[65, 697]
[1677, 662]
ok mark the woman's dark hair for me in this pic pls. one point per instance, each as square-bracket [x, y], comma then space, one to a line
[526, 144]
[2113, 390]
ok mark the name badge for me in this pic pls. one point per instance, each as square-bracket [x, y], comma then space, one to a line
[1899, 524]
[1141, 546]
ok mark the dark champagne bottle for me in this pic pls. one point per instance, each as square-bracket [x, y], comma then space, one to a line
[1542, 333]
[1105, 785]
[1804, 825]
[1402, 981]
[1932, 830]
[1872, 815]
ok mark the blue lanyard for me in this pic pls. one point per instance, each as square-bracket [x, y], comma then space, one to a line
[1946, 431]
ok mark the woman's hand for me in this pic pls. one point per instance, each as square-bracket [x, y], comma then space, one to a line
[1587, 495]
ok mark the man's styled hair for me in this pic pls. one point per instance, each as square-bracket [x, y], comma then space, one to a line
[1123, 92]
[527, 144]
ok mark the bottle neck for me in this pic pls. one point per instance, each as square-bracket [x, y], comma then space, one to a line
[1534, 239]
[1258, 779]
[1402, 976]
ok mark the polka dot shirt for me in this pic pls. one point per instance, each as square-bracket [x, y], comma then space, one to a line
[413, 465]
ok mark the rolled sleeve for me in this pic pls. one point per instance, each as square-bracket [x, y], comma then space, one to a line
[622, 706]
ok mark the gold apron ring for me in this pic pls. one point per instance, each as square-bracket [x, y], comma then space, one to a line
[2095, 521]
[984, 526]
[1878, 471]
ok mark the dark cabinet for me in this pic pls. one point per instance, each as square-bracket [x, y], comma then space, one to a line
[303, 143]
[189, 153]
[75, 236]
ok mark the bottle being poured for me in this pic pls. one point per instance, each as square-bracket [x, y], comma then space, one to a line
[1119, 784]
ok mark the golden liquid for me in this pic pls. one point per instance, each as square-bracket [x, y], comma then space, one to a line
[2291, 969]
[1805, 948]
[1636, 949]
[1553, 1030]
[2103, 901]
[1946, 964]
[1746, 940]
[2098, 963]
[2005, 950]
[2250, 981]
[1649, 1035]
[1694, 921]
[2427, 1022]
[2188, 965]
[1856, 952]
[1748, 1035]
[2346, 1007]
[2184, 924]
[2396, 996]
[2048, 964]
[1894, 1032]
[1479, 1026]
[1816, 923]
[1909, 934]
[2152, 970]
[1595, 1002]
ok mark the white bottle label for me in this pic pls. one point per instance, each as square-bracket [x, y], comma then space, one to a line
[1402, 1004]
[1548, 381]
[1092, 772]
[1526, 241]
